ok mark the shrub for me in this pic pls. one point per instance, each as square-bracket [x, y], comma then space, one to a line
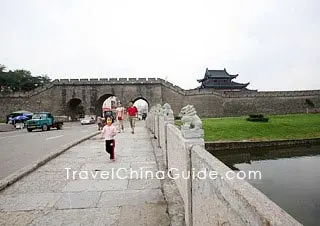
[257, 118]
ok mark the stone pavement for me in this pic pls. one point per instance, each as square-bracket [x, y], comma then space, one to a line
[52, 195]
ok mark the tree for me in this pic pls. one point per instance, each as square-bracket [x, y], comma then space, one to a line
[20, 80]
[2, 68]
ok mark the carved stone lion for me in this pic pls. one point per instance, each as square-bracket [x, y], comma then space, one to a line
[167, 111]
[190, 118]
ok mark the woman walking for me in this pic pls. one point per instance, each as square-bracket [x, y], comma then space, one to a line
[120, 116]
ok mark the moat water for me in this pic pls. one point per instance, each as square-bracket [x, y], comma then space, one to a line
[290, 178]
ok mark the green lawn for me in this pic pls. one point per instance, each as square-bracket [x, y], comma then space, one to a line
[293, 126]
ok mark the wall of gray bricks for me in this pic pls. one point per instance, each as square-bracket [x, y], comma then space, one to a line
[54, 97]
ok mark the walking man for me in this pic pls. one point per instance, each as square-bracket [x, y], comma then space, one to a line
[120, 116]
[132, 113]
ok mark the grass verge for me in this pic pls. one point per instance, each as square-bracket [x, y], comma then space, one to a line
[279, 127]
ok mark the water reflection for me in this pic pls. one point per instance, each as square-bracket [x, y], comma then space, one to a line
[290, 177]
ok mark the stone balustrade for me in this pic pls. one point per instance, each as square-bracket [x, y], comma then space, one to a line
[208, 201]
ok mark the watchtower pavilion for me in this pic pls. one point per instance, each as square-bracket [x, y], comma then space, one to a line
[220, 79]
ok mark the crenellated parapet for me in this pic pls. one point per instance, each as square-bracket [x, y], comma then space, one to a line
[251, 93]
[194, 92]
[119, 81]
[266, 94]
[103, 80]
[93, 81]
[98, 81]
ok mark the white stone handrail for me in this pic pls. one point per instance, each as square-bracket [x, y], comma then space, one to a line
[207, 201]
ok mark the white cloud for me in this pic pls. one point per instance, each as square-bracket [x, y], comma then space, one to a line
[272, 44]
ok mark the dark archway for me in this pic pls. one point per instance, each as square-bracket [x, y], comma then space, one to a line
[74, 109]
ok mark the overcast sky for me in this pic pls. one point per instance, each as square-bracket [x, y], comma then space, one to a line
[273, 44]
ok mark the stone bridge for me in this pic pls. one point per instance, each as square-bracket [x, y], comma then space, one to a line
[62, 97]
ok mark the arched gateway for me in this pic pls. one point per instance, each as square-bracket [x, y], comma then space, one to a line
[91, 94]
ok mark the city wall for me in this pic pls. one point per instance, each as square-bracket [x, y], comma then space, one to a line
[56, 96]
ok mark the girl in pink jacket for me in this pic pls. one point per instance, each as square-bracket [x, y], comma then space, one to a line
[108, 132]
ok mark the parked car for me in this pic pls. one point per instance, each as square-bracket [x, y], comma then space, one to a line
[88, 120]
[18, 117]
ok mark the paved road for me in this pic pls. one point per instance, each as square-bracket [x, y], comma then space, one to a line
[20, 148]
[58, 199]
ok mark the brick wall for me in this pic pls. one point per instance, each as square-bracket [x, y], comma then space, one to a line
[54, 97]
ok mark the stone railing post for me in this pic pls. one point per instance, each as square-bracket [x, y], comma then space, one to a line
[166, 117]
[150, 119]
[156, 122]
[153, 120]
[192, 132]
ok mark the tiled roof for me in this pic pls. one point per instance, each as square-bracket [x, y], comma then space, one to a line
[218, 74]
